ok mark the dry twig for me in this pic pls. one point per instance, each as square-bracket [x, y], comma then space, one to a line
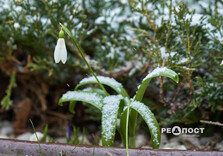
[212, 123]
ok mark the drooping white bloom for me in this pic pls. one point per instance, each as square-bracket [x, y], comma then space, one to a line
[60, 52]
[221, 62]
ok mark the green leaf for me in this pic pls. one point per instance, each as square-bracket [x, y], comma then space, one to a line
[6, 102]
[150, 120]
[109, 118]
[45, 131]
[155, 73]
[121, 126]
[106, 81]
[72, 106]
[91, 98]
[89, 90]
[95, 90]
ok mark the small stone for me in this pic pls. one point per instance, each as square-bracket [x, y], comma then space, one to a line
[33, 136]
[205, 140]
[3, 136]
[190, 139]
[174, 145]
[140, 140]
[86, 141]
[219, 146]
[147, 147]
[60, 140]
[24, 136]
[6, 127]
[100, 142]
[164, 140]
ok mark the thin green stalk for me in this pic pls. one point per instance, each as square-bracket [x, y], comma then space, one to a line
[37, 138]
[15, 153]
[72, 150]
[82, 55]
[93, 152]
[83, 133]
[127, 126]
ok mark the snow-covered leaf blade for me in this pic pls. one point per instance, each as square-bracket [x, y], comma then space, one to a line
[91, 98]
[109, 118]
[95, 90]
[163, 71]
[150, 120]
[105, 81]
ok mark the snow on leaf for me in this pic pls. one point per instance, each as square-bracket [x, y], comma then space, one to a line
[158, 71]
[195, 19]
[163, 71]
[106, 81]
[103, 79]
[92, 98]
[109, 118]
[150, 120]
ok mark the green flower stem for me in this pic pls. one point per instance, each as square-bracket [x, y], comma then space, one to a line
[127, 127]
[82, 55]
[37, 138]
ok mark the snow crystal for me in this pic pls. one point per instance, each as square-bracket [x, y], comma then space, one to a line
[90, 31]
[111, 54]
[159, 19]
[88, 97]
[146, 114]
[196, 19]
[196, 7]
[137, 66]
[18, 8]
[124, 1]
[115, 11]
[164, 55]
[16, 25]
[183, 60]
[44, 20]
[106, 80]
[219, 8]
[109, 113]
[79, 26]
[172, 54]
[24, 29]
[6, 6]
[205, 5]
[218, 35]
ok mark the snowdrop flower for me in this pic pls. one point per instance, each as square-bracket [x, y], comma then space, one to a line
[60, 52]
[221, 63]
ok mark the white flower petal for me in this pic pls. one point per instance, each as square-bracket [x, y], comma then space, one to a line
[60, 53]
[57, 53]
[63, 55]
